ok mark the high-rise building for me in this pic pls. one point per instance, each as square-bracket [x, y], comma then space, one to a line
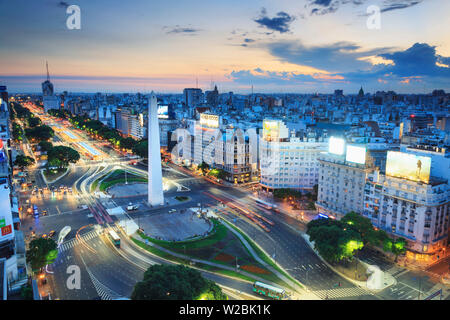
[49, 99]
[342, 176]
[212, 97]
[193, 97]
[3, 94]
[155, 187]
[415, 210]
[288, 161]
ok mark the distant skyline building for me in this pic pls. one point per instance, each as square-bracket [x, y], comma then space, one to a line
[49, 99]
[155, 187]
[193, 97]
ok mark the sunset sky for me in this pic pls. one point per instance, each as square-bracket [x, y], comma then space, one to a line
[298, 46]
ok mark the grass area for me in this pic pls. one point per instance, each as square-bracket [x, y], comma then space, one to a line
[217, 234]
[262, 255]
[53, 174]
[118, 176]
[181, 198]
[94, 185]
[216, 248]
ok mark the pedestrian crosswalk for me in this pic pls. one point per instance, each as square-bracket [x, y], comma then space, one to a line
[103, 291]
[73, 242]
[340, 293]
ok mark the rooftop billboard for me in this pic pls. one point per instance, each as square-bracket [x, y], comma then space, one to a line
[163, 112]
[408, 166]
[336, 146]
[356, 154]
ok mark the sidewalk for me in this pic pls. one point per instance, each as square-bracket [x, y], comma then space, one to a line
[388, 280]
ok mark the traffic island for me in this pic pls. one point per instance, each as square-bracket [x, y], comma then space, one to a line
[218, 250]
[53, 175]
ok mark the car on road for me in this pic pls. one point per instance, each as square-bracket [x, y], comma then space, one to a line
[132, 207]
[172, 210]
[44, 212]
[51, 233]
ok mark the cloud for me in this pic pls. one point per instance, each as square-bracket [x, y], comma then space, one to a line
[259, 76]
[419, 60]
[322, 7]
[181, 30]
[336, 57]
[247, 40]
[281, 22]
[418, 65]
[415, 68]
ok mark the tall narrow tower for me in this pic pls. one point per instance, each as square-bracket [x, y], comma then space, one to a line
[155, 187]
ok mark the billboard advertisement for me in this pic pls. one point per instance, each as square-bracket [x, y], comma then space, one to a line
[408, 166]
[336, 146]
[271, 129]
[163, 111]
[356, 154]
[209, 120]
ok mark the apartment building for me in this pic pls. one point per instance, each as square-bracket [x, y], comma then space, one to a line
[289, 159]
[415, 210]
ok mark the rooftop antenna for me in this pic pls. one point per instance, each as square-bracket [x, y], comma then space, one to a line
[48, 74]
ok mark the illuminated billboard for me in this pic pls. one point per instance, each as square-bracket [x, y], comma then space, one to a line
[271, 130]
[408, 166]
[356, 154]
[163, 112]
[336, 146]
[209, 120]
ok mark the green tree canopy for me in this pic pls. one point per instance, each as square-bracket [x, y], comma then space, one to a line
[167, 282]
[41, 252]
[23, 161]
[127, 143]
[34, 122]
[141, 148]
[218, 173]
[333, 239]
[46, 145]
[61, 156]
[285, 193]
[40, 133]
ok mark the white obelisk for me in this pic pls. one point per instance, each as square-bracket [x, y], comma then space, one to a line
[155, 186]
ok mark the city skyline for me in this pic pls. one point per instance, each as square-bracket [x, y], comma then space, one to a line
[284, 47]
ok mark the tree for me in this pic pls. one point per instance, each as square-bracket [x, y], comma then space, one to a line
[127, 143]
[41, 252]
[285, 193]
[40, 133]
[45, 146]
[167, 282]
[361, 225]
[23, 161]
[34, 122]
[26, 292]
[61, 156]
[141, 149]
[333, 239]
[398, 247]
[203, 166]
[218, 173]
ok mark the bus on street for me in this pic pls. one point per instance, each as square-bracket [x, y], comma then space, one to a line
[268, 290]
[114, 238]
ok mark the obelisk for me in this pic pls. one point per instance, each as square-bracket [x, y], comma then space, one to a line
[155, 186]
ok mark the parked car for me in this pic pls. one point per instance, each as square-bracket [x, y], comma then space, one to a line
[132, 207]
